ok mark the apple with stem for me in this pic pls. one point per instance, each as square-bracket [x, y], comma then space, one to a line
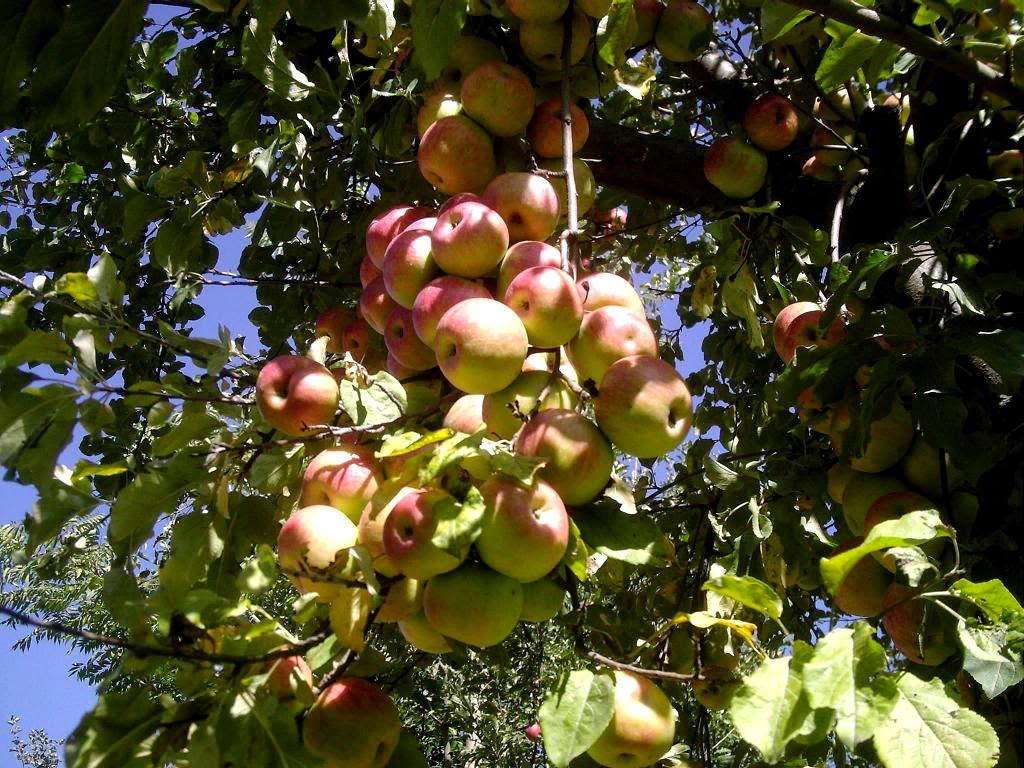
[603, 289]
[505, 411]
[771, 122]
[545, 129]
[469, 240]
[797, 325]
[541, 41]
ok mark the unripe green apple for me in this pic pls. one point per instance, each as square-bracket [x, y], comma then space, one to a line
[420, 635]
[295, 393]
[313, 549]
[863, 490]
[586, 185]
[541, 41]
[442, 100]
[469, 53]
[353, 724]
[921, 467]
[404, 599]
[538, 10]
[481, 345]
[684, 31]
[596, 9]
[715, 687]
[736, 168]
[542, 600]
[473, 604]
[642, 728]
[456, 155]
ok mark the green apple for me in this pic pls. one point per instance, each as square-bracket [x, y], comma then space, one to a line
[481, 345]
[642, 728]
[404, 599]
[538, 10]
[596, 9]
[314, 547]
[735, 168]
[473, 604]
[541, 41]
[352, 724]
[469, 53]
[586, 185]
[295, 393]
[684, 31]
[442, 100]
[420, 635]
[542, 600]
[862, 490]
[714, 687]
[921, 468]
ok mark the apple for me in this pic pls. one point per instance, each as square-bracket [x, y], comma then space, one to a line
[442, 100]
[525, 531]
[648, 13]
[473, 604]
[771, 122]
[402, 342]
[437, 297]
[527, 202]
[344, 478]
[596, 9]
[838, 475]
[610, 221]
[426, 224]
[466, 414]
[352, 724]
[586, 185]
[481, 345]
[295, 393]
[544, 361]
[715, 686]
[469, 53]
[642, 728]
[862, 592]
[524, 255]
[816, 169]
[505, 411]
[469, 240]
[375, 304]
[408, 266]
[286, 676]
[545, 129]
[579, 457]
[386, 226]
[888, 440]
[537, 10]
[368, 271]
[606, 336]
[500, 97]
[408, 531]
[546, 300]
[923, 639]
[356, 340]
[839, 106]
[332, 323]
[533, 733]
[420, 635]
[862, 490]
[823, 138]
[462, 197]
[684, 31]
[372, 520]
[797, 325]
[1007, 225]
[603, 289]
[922, 469]
[399, 371]
[542, 600]
[313, 549]
[456, 155]
[735, 168]
[893, 506]
[1008, 164]
[541, 41]
[643, 406]
[404, 599]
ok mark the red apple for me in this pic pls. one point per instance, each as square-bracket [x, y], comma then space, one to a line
[332, 323]
[533, 733]
[295, 393]
[736, 168]
[603, 289]
[469, 240]
[796, 325]
[771, 122]
[606, 336]
[924, 639]
[403, 343]
[372, 520]
[313, 549]
[684, 31]
[466, 414]
[862, 591]
[889, 438]
[527, 202]
[368, 271]
[286, 676]
[523, 255]
[437, 297]
[386, 226]
[344, 478]
[545, 129]
[481, 345]
[500, 97]
[451, 202]
[546, 300]
[648, 13]
[407, 535]
[375, 305]
[408, 266]
[353, 724]
[893, 506]
[456, 155]
[473, 604]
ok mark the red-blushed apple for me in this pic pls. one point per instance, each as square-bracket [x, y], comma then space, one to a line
[466, 414]
[643, 406]
[816, 169]
[546, 300]
[922, 469]
[839, 106]
[456, 155]
[408, 266]
[1008, 164]
[684, 31]
[524, 255]
[610, 221]
[441, 100]
[386, 226]
[368, 271]
[469, 240]
[473, 604]
[545, 129]
[402, 342]
[420, 635]
[889, 437]
[603, 289]
[861, 491]
[371, 524]
[469, 53]
[579, 456]
[295, 393]
[343, 477]
[426, 224]
[500, 97]
[893, 506]
[481, 345]
[812, 412]
[606, 336]
[527, 202]
[408, 531]
[404, 599]
[822, 139]
[399, 371]
[735, 168]
[525, 530]
[352, 724]
[533, 733]
[537, 10]
[332, 323]
[286, 676]
[797, 325]
[862, 592]
[541, 41]
[771, 122]
[648, 13]
[376, 305]
[837, 477]
[356, 339]
[586, 185]
[642, 728]
[505, 411]
[542, 601]
[437, 297]
[462, 197]
[921, 632]
[313, 549]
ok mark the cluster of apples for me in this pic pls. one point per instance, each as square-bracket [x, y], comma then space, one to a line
[897, 473]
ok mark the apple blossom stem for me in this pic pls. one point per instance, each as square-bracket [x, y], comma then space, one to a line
[569, 237]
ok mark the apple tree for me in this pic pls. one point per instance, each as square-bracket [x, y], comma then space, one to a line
[634, 383]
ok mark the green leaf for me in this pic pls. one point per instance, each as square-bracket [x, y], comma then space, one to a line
[195, 543]
[912, 529]
[35, 426]
[259, 572]
[78, 286]
[103, 276]
[175, 242]
[749, 591]
[28, 24]
[58, 503]
[842, 60]
[139, 212]
[380, 19]
[928, 727]
[777, 18]
[576, 554]
[264, 59]
[988, 657]
[195, 424]
[631, 538]
[1003, 349]
[719, 474]
[273, 470]
[117, 730]
[436, 27]
[82, 63]
[576, 709]
[616, 31]
[990, 596]
[381, 402]
[38, 347]
[150, 495]
[457, 525]
[845, 675]
[771, 708]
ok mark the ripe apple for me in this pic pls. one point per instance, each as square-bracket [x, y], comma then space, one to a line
[642, 728]
[816, 169]
[736, 168]
[542, 600]
[924, 639]
[643, 406]
[456, 155]
[862, 592]
[606, 336]
[375, 304]
[1008, 164]
[469, 53]
[893, 506]
[541, 41]
[586, 185]
[537, 10]
[533, 733]
[344, 478]
[544, 361]
[888, 440]
[715, 687]
[368, 271]
[294, 393]
[481, 345]
[371, 524]
[684, 31]
[408, 531]
[505, 411]
[313, 549]
[420, 635]
[399, 371]
[922, 468]
[863, 490]
[500, 97]
[546, 300]
[437, 297]
[771, 122]
[527, 202]
[466, 414]
[610, 221]
[441, 100]
[352, 724]
[462, 197]
[408, 266]
[525, 530]
[648, 13]
[524, 255]
[386, 226]
[823, 138]
[797, 325]
[332, 323]
[469, 240]
[286, 676]
[356, 341]
[402, 342]
[473, 604]
[545, 129]
[603, 289]
[579, 457]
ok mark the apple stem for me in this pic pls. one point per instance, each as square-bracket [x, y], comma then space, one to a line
[570, 236]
